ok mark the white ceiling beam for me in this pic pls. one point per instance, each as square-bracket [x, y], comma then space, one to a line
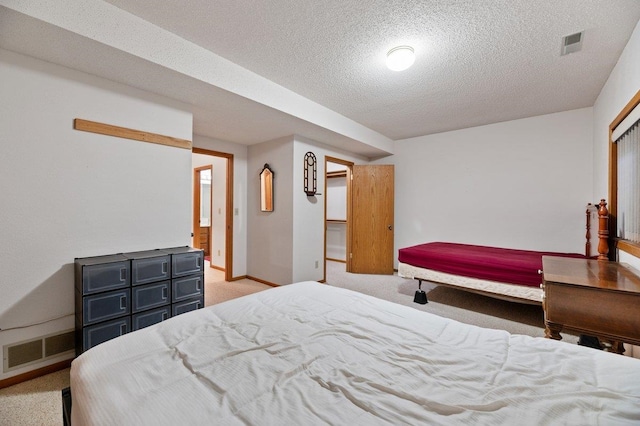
[113, 27]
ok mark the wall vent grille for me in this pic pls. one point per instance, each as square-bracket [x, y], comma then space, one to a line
[60, 343]
[572, 43]
[21, 354]
[24, 353]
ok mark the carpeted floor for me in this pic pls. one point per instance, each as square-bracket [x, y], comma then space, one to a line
[37, 402]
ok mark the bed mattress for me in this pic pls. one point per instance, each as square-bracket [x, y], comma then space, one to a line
[487, 263]
[309, 354]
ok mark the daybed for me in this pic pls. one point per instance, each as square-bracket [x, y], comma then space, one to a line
[308, 353]
[502, 273]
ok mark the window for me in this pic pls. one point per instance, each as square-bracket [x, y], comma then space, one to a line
[624, 177]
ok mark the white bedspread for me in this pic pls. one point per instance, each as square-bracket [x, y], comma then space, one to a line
[309, 354]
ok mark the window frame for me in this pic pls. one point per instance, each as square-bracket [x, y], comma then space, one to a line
[620, 244]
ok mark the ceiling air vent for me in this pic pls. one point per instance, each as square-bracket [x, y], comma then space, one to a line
[572, 43]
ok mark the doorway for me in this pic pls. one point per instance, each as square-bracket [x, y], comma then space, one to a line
[221, 214]
[359, 216]
[337, 212]
[202, 209]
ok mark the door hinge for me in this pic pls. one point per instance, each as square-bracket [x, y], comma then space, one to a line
[350, 255]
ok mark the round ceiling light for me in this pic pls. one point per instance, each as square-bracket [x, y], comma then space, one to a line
[400, 58]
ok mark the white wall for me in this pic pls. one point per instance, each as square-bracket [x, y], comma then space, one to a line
[519, 184]
[622, 85]
[67, 193]
[286, 244]
[240, 158]
[270, 248]
[308, 220]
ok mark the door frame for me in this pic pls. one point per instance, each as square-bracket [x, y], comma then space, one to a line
[349, 165]
[197, 206]
[228, 261]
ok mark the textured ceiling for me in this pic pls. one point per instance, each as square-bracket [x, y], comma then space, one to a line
[478, 62]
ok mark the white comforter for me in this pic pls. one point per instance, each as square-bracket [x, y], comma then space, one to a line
[309, 354]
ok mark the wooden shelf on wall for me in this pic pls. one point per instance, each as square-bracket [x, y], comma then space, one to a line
[337, 174]
[124, 132]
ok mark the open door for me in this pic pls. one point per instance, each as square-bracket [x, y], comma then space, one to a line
[372, 216]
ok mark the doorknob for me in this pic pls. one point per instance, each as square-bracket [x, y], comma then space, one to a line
[390, 227]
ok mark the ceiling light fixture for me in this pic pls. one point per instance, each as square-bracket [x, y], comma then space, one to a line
[400, 58]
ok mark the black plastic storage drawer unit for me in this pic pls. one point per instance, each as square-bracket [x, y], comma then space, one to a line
[119, 293]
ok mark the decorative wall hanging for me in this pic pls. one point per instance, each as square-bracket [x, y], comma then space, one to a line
[310, 174]
[266, 189]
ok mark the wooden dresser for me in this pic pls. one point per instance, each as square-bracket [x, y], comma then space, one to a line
[593, 297]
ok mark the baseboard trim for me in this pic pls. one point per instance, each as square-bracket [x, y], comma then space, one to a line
[219, 268]
[238, 278]
[263, 281]
[35, 373]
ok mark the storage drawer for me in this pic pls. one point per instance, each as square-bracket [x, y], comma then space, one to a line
[103, 277]
[150, 296]
[187, 305]
[147, 318]
[188, 287]
[96, 334]
[105, 306]
[150, 269]
[188, 263]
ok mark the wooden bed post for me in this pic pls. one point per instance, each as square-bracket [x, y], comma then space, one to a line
[587, 245]
[603, 231]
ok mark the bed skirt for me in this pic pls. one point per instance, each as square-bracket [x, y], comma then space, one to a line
[512, 292]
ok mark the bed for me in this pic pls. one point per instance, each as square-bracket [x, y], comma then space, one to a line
[309, 353]
[503, 273]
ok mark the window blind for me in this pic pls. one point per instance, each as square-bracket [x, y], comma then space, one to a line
[629, 181]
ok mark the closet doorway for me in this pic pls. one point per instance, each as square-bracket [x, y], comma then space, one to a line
[358, 215]
[337, 212]
[220, 219]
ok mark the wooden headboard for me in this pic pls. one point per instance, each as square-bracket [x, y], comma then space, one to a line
[600, 212]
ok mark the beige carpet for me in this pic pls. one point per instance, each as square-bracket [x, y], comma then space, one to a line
[38, 401]
[218, 290]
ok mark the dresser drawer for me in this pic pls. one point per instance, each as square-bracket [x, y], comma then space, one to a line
[150, 269]
[96, 334]
[103, 277]
[150, 296]
[147, 318]
[105, 306]
[187, 305]
[188, 263]
[186, 288]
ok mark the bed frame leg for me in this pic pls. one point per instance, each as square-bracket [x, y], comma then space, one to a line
[421, 296]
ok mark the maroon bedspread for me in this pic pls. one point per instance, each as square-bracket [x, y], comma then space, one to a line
[489, 263]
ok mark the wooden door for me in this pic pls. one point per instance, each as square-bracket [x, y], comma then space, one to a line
[372, 217]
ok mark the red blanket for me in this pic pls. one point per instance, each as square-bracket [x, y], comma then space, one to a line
[489, 263]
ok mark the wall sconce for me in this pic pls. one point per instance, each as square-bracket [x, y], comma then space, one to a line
[310, 174]
[266, 189]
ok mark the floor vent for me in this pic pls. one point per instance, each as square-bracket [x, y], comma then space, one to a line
[21, 354]
[572, 43]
